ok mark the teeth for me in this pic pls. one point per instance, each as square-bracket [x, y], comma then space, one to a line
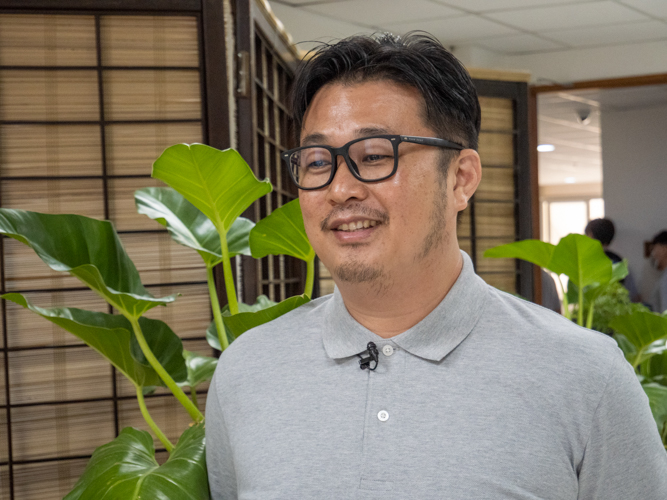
[353, 226]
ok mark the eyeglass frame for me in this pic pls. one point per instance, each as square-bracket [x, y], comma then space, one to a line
[344, 152]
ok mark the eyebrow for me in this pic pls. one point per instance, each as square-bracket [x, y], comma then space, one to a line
[317, 138]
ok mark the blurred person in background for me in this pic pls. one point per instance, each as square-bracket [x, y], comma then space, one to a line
[658, 299]
[603, 230]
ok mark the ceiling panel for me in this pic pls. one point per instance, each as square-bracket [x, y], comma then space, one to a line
[519, 44]
[303, 2]
[308, 29]
[455, 30]
[657, 8]
[568, 16]
[611, 34]
[379, 12]
[487, 6]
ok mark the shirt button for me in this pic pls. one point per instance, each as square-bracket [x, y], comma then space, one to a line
[387, 350]
[383, 416]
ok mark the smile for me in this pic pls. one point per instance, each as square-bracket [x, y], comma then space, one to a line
[355, 226]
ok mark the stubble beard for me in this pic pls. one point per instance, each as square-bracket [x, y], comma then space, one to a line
[357, 272]
[438, 223]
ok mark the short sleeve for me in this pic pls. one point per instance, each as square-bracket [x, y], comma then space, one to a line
[219, 461]
[624, 456]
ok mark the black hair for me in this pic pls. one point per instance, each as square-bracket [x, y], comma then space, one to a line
[660, 238]
[602, 230]
[451, 107]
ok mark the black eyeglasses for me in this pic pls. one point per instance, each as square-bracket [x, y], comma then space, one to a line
[370, 159]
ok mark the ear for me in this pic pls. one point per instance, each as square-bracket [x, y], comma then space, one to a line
[465, 175]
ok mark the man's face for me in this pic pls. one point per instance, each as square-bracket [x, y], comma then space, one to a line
[399, 222]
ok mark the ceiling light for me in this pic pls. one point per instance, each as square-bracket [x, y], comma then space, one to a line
[570, 180]
[546, 148]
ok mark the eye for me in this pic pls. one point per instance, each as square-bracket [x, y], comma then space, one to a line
[318, 164]
[374, 157]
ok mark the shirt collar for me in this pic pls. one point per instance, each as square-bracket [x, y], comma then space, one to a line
[432, 338]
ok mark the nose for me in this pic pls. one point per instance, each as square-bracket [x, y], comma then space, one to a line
[345, 186]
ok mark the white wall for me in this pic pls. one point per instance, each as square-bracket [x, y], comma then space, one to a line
[634, 162]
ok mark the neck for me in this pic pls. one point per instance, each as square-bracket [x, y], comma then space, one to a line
[407, 298]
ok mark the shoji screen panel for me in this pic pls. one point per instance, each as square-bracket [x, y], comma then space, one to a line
[500, 211]
[87, 102]
[279, 276]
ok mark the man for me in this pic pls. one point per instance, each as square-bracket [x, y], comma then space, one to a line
[604, 231]
[415, 379]
[658, 299]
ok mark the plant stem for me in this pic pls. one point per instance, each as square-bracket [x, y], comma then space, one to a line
[310, 277]
[162, 373]
[215, 305]
[580, 314]
[566, 304]
[589, 319]
[229, 277]
[193, 396]
[151, 423]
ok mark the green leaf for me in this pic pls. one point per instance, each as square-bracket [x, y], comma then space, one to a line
[282, 233]
[534, 251]
[219, 183]
[657, 400]
[111, 336]
[263, 302]
[188, 226]
[88, 249]
[628, 348]
[242, 322]
[126, 469]
[165, 345]
[200, 368]
[619, 270]
[582, 260]
[646, 331]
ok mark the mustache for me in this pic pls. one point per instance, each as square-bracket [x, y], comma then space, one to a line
[354, 209]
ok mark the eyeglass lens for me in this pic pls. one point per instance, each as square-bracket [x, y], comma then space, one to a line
[372, 159]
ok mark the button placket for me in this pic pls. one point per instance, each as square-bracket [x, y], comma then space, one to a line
[382, 423]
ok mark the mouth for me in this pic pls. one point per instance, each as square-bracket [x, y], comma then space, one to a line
[356, 226]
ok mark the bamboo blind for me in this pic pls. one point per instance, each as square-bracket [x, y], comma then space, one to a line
[279, 277]
[87, 102]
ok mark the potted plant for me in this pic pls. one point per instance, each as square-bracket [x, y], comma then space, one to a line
[209, 190]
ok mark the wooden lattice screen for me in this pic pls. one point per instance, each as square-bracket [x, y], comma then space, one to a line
[87, 102]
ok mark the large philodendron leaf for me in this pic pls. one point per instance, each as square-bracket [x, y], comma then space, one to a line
[282, 233]
[242, 322]
[657, 400]
[534, 251]
[582, 260]
[262, 302]
[646, 331]
[89, 249]
[126, 469]
[189, 226]
[111, 335]
[200, 368]
[219, 183]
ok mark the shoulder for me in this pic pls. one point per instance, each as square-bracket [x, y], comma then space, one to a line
[285, 336]
[540, 332]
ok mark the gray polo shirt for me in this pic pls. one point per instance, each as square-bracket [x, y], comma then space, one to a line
[488, 397]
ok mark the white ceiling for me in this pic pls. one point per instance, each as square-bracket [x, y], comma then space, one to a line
[577, 153]
[501, 26]
[504, 29]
